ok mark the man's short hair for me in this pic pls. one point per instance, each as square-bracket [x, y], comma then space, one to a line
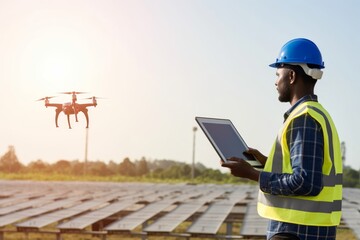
[300, 72]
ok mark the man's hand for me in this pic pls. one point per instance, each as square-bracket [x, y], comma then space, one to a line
[241, 168]
[258, 155]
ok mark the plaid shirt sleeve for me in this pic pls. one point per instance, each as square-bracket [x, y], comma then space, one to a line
[306, 143]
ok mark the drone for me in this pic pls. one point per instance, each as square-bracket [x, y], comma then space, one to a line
[70, 108]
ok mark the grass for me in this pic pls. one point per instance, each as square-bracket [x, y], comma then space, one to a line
[114, 178]
[65, 177]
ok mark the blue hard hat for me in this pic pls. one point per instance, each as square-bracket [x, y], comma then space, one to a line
[301, 51]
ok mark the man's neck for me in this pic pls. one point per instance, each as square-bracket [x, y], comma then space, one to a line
[297, 96]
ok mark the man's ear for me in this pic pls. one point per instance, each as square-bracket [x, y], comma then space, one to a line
[292, 76]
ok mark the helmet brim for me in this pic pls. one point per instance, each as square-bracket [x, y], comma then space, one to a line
[278, 64]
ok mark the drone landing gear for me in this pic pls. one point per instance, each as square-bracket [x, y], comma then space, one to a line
[86, 116]
[68, 118]
[85, 111]
[57, 112]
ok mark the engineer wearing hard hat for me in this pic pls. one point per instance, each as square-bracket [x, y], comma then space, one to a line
[301, 183]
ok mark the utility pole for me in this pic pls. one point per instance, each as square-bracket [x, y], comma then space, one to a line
[193, 155]
[343, 152]
[86, 151]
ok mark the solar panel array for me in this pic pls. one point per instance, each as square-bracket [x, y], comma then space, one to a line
[141, 209]
[351, 210]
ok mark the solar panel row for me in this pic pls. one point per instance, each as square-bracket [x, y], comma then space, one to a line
[141, 208]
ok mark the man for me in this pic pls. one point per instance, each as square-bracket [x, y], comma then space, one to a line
[301, 183]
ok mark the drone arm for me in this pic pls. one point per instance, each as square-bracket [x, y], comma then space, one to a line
[57, 105]
[85, 105]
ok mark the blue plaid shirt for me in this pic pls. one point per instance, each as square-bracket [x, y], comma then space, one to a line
[306, 143]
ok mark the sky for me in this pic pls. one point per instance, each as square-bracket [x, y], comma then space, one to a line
[160, 63]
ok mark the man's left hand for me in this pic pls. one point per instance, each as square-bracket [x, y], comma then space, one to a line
[241, 168]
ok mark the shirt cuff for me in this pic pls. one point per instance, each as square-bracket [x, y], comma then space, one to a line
[264, 180]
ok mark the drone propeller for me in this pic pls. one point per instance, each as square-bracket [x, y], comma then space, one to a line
[93, 97]
[45, 98]
[73, 92]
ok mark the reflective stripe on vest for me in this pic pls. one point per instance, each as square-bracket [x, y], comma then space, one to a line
[302, 209]
[301, 204]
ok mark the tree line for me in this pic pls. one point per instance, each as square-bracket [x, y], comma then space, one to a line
[151, 169]
[154, 169]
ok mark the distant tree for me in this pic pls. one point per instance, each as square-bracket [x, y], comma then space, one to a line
[199, 166]
[351, 177]
[185, 171]
[127, 168]
[157, 173]
[171, 172]
[164, 164]
[142, 167]
[98, 168]
[38, 166]
[62, 166]
[211, 174]
[113, 167]
[77, 168]
[177, 171]
[9, 161]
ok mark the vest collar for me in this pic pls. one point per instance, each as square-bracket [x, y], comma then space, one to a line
[306, 98]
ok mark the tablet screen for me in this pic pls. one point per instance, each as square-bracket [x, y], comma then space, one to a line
[225, 139]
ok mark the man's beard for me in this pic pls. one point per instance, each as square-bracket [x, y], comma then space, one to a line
[284, 96]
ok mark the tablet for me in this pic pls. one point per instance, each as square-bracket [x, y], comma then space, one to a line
[226, 140]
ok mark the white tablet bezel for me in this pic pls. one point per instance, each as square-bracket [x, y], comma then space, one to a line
[201, 120]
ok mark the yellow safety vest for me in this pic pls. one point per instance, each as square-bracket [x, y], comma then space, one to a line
[323, 209]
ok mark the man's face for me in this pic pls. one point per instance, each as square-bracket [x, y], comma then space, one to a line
[283, 85]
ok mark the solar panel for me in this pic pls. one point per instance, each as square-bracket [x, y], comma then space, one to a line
[141, 209]
[171, 220]
[253, 224]
[210, 221]
[53, 217]
[94, 216]
[351, 208]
